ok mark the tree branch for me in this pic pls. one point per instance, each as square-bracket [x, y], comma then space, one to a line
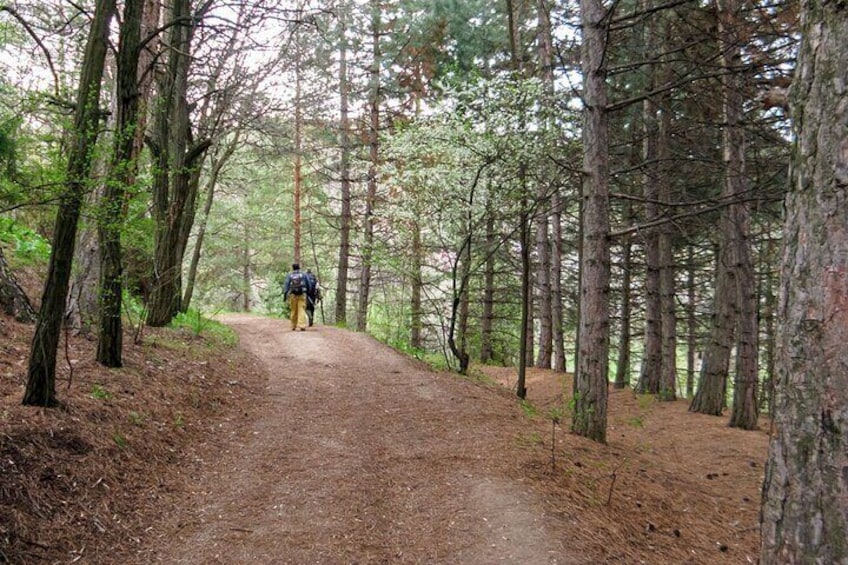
[32, 34]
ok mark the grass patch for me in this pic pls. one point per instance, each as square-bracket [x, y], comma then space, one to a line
[100, 393]
[199, 325]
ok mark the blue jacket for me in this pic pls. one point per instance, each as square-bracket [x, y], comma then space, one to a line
[307, 284]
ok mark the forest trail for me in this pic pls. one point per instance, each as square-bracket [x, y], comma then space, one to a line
[360, 455]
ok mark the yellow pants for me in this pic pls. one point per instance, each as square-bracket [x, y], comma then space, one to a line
[297, 305]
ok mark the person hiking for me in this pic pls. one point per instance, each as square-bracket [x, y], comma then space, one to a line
[313, 297]
[295, 291]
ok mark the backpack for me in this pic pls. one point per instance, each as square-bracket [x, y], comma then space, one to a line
[313, 291]
[297, 283]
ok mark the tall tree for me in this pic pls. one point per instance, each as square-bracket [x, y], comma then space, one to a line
[590, 381]
[122, 175]
[41, 371]
[665, 244]
[298, 147]
[805, 493]
[622, 370]
[345, 151]
[219, 159]
[745, 409]
[544, 213]
[649, 379]
[374, 97]
[525, 355]
[176, 156]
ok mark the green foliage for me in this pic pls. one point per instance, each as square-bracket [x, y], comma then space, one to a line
[100, 393]
[532, 439]
[29, 247]
[136, 419]
[437, 361]
[120, 440]
[198, 324]
[192, 320]
[556, 414]
[645, 401]
[404, 347]
[134, 308]
[8, 146]
[528, 408]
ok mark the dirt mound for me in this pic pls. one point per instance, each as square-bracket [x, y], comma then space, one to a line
[326, 446]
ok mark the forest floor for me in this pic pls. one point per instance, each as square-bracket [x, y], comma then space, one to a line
[328, 447]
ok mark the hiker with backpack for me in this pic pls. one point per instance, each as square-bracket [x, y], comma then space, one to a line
[295, 291]
[313, 296]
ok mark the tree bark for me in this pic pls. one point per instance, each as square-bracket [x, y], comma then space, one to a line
[373, 154]
[557, 314]
[415, 310]
[41, 371]
[744, 411]
[543, 213]
[712, 382]
[344, 171]
[13, 299]
[487, 318]
[665, 244]
[176, 160]
[122, 175]
[649, 378]
[622, 372]
[590, 382]
[691, 323]
[298, 150]
[805, 493]
[217, 165]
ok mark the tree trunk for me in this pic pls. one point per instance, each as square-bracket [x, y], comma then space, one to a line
[622, 373]
[41, 371]
[374, 146]
[245, 272]
[211, 183]
[649, 378]
[769, 305]
[487, 319]
[665, 244]
[122, 175]
[298, 150]
[526, 346]
[805, 506]
[744, 411]
[590, 381]
[175, 171]
[525, 355]
[415, 311]
[712, 383]
[691, 323]
[344, 172]
[557, 315]
[460, 276]
[543, 211]
[83, 292]
[462, 322]
[543, 284]
[13, 299]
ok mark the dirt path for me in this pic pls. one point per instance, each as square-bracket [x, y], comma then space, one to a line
[358, 455]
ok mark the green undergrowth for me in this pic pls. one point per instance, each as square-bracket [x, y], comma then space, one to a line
[215, 333]
[28, 247]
